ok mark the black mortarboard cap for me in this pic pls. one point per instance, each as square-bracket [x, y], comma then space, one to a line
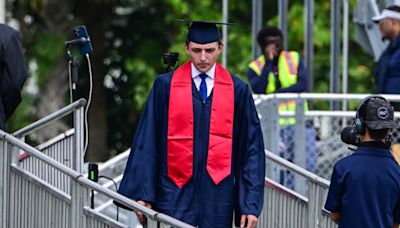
[203, 32]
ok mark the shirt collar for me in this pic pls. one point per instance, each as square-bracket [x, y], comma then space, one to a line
[373, 151]
[375, 144]
[210, 73]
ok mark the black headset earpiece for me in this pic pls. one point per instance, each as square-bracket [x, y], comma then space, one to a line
[359, 124]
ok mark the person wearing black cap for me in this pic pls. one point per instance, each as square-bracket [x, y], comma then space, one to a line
[198, 152]
[365, 186]
[387, 70]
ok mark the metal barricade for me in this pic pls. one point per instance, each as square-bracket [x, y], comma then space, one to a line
[29, 201]
[40, 191]
[59, 148]
[313, 141]
[66, 148]
[284, 207]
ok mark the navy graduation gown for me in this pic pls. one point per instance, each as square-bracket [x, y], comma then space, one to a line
[12, 72]
[200, 202]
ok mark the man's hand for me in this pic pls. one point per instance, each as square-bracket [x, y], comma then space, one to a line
[139, 215]
[248, 221]
[335, 216]
[271, 51]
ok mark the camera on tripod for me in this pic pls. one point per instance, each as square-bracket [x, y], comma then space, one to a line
[170, 59]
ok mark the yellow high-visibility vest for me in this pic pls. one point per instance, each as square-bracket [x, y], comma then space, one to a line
[288, 63]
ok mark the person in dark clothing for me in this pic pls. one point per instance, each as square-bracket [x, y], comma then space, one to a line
[365, 186]
[13, 72]
[198, 152]
[279, 71]
[387, 71]
[276, 70]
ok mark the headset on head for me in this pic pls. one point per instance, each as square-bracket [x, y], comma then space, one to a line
[359, 124]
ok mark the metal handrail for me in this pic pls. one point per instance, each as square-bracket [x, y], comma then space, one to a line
[337, 113]
[48, 143]
[48, 119]
[56, 139]
[323, 96]
[120, 157]
[63, 196]
[92, 185]
[297, 169]
[289, 192]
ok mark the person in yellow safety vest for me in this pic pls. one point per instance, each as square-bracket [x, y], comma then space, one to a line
[277, 70]
[281, 71]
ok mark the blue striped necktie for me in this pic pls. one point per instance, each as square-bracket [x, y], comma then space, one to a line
[203, 87]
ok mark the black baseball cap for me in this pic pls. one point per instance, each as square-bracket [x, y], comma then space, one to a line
[379, 114]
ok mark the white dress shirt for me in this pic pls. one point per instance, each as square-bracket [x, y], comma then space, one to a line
[209, 80]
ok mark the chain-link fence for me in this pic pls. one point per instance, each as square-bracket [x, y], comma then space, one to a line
[308, 137]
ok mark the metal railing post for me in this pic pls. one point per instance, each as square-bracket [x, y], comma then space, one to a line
[299, 142]
[4, 182]
[309, 41]
[335, 50]
[266, 122]
[274, 134]
[76, 204]
[78, 139]
[14, 156]
[274, 130]
[317, 188]
[312, 204]
[225, 13]
[77, 191]
[153, 224]
[256, 25]
[283, 7]
[266, 126]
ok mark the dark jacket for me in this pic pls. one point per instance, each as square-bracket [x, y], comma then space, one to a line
[12, 72]
[387, 71]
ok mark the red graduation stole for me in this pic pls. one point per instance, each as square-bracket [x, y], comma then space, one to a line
[180, 126]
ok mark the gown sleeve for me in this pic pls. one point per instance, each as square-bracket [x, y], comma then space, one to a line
[139, 180]
[252, 174]
[13, 73]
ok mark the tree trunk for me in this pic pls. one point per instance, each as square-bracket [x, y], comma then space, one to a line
[52, 98]
[97, 20]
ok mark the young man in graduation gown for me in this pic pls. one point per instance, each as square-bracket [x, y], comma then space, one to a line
[198, 152]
